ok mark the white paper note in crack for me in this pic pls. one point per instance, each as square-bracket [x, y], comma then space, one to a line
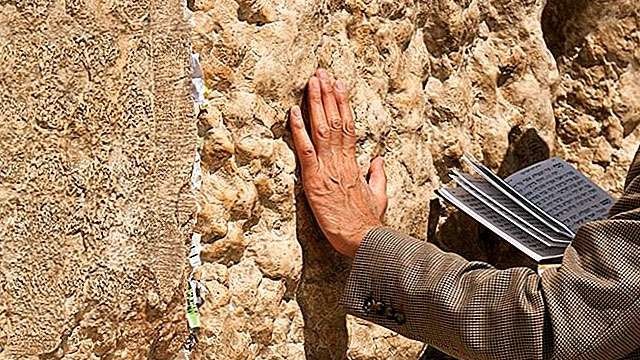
[196, 173]
[197, 91]
[195, 250]
[197, 79]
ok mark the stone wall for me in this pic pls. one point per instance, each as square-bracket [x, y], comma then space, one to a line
[97, 137]
[97, 141]
[512, 82]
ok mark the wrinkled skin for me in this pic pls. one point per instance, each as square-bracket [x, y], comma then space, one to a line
[344, 203]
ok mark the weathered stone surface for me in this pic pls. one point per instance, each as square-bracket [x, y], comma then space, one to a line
[96, 140]
[96, 144]
[597, 102]
[429, 81]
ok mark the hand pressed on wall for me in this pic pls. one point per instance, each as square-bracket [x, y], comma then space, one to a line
[345, 205]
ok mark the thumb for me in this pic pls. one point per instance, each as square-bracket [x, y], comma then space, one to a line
[378, 184]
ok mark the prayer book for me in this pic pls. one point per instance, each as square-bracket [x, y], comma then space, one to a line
[537, 209]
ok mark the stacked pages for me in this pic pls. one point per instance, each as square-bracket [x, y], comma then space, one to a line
[538, 209]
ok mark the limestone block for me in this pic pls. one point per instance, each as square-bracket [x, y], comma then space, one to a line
[96, 144]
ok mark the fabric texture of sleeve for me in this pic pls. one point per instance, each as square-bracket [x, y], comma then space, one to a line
[588, 308]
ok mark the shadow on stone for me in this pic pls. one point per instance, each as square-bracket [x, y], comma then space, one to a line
[557, 25]
[430, 353]
[526, 148]
[324, 274]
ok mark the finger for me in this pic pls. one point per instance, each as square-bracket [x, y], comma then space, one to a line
[348, 126]
[302, 143]
[331, 111]
[319, 127]
[378, 183]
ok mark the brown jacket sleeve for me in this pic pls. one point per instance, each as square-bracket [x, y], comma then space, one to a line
[588, 308]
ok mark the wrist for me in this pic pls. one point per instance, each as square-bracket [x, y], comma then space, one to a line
[354, 241]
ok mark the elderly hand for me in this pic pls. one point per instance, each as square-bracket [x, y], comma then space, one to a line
[345, 205]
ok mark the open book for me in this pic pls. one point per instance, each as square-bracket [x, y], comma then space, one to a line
[538, 209]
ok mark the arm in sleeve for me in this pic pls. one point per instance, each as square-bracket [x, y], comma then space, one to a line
[586, 308]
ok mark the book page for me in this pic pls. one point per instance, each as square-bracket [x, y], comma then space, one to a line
[500, 225]
[508, 208]
[514, 195]
[562, 191]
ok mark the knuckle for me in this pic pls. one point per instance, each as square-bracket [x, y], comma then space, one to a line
[307, 152]
[323, 132]
[349, 130]
[336, 122]
[315, 98]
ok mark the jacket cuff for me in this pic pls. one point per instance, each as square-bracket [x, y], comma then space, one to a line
[374, 287]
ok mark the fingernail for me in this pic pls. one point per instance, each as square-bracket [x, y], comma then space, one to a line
[340, 85]
[297, 117]
[296, 111]
[322, 73]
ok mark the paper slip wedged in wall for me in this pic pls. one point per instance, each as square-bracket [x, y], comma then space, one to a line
[194, 289]
[197, 80]
[537, 209]
[195, 250]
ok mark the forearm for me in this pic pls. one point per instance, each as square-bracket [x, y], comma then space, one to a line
[467, 309]
[584, 309]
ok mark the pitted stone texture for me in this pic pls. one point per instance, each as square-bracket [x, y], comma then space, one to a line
[96, 143]
[597, 104]
[429, 81]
